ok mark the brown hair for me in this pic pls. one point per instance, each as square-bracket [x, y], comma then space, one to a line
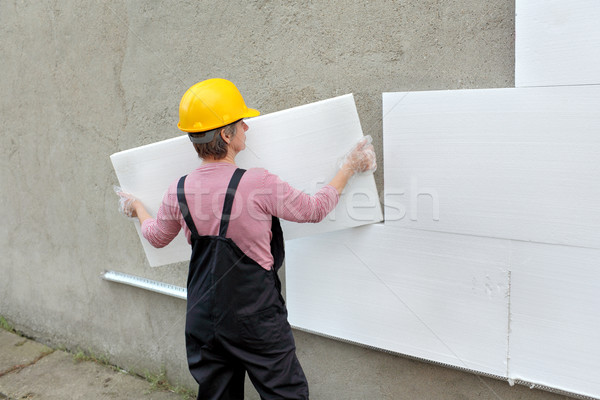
[216, 148]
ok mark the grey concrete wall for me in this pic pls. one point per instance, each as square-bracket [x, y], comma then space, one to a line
[82, 80]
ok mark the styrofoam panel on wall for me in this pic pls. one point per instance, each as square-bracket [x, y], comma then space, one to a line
[302, 145]
[555, 318]
[508, 163]
[437, 296]
[557, 42]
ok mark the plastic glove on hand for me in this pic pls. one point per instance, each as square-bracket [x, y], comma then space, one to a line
[126, 201]
[361, 158]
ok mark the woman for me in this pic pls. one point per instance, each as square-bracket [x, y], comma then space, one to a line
[236, 319]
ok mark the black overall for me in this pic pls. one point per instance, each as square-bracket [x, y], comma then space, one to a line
[236, 318]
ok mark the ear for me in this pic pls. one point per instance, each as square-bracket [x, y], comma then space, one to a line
[226, 138]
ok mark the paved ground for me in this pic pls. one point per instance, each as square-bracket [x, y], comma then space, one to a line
[29, 370]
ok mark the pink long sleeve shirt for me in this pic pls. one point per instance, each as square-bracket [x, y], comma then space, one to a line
[259, 196]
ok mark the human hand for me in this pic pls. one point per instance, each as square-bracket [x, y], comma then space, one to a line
[361, 158]
[126, 202]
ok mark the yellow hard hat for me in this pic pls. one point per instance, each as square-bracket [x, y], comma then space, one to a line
[211, 104]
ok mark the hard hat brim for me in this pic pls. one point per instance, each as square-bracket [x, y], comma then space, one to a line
[251, 112]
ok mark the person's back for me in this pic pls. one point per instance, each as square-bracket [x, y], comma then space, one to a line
[260, 195]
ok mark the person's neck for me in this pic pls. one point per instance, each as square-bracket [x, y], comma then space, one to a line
[229, 158]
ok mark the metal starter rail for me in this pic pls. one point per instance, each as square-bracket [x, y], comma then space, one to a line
[144, 283]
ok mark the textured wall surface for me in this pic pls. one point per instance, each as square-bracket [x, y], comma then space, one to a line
[82, 80]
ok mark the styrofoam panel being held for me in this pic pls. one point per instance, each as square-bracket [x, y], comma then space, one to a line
[507, 163]
[557, 42]
[436, 296]
[302, 145]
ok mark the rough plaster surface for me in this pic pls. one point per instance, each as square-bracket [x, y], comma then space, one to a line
[82, 80]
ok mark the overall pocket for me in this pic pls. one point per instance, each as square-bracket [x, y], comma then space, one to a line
[262, 329]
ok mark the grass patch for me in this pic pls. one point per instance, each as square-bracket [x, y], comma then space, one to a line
[4, 324]
[82, 355]
[159, 382]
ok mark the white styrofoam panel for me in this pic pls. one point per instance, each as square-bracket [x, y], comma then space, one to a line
[557, 42]
[508, 163]
[437, 296]
[302, 145]
[555, 317]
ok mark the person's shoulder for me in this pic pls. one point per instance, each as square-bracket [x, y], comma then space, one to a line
[255, 174]
[262, 173]
[261, 177]
[256, 171]
[174, 184]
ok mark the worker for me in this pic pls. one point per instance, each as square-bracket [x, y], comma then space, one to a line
[236, 320]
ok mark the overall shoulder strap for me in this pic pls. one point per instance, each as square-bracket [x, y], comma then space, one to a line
[227, 205]
[183, 206]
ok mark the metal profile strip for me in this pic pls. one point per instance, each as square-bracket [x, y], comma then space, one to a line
[181, 293]
[145, 283]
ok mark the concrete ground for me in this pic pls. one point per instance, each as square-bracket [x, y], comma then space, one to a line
[30, 370]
